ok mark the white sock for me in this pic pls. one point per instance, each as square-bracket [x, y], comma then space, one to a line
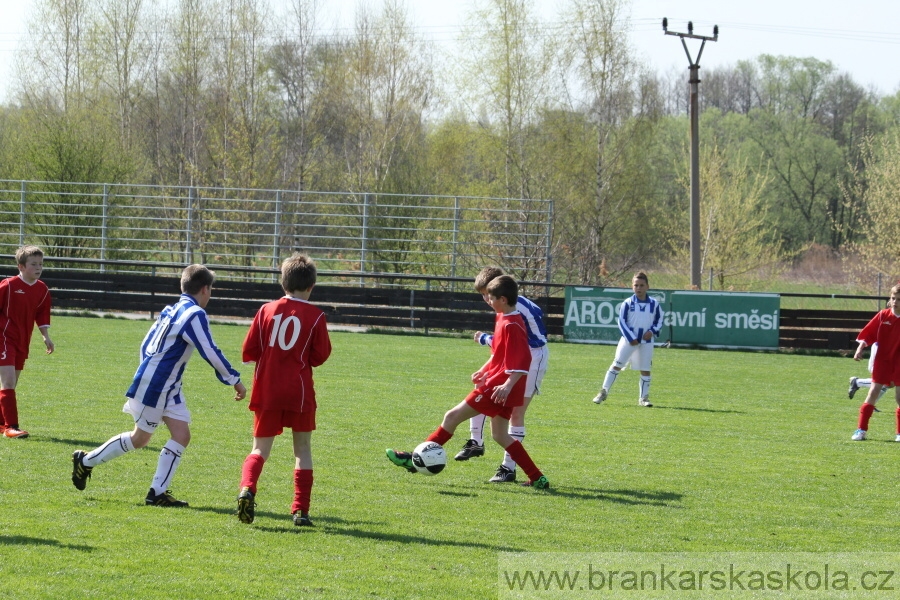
[519, 434]
[864, 382]
[476, 428]
[610, 378]
[169, 458]
[115, 447]
[645, 386]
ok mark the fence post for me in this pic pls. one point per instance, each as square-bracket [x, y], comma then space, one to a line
[22, 216]
[367, 198]
[276, 242]
[189, 226]
[710, 279]
[457, 214]
[103, 227]
[549, 244]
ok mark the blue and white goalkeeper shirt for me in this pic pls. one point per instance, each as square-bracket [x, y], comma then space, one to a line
[165, 352]
[637, 318]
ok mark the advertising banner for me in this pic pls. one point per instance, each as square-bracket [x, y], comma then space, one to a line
[692, 318]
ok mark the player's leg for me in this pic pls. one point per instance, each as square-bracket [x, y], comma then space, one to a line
[474, 446]
[146, 420]
[624, 351]
[642, 359]
[303, 478]
[897, 413]
[452, 419]
[865, 412]
[500, 433]
[168, 461]
[506, 472]
[9, 408]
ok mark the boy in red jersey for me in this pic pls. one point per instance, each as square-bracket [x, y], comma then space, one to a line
[287, 339]
[884, 328]
[499, 385]
[24, 303]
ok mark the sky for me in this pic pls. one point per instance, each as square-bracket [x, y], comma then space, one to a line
[856, 36]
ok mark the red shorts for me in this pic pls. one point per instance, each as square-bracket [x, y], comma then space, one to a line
[11, 354]
[481, 401]
[269, 423]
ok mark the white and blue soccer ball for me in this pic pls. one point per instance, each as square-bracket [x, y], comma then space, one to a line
[429, 458]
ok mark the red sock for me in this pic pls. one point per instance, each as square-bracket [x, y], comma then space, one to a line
[303, 482]
[250, 472]
[865, 413]
[897, 417]
[9, 408]
[518, 453]
[440, 435]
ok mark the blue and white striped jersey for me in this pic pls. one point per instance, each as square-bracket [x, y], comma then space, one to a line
[637, 318]
[534, 323]
[166, 350]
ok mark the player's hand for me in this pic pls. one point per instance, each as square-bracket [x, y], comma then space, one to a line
[634, 342]
[50, 345]
[648, 336]
[501, 392]
[240, 392]
[477, 336]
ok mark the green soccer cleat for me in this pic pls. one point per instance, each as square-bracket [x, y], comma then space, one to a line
[401, 459]
[541, 483]
[246, 510]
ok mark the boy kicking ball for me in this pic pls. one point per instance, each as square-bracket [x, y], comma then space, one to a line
[499, 385]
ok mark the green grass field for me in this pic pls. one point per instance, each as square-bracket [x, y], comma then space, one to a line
[742, 452]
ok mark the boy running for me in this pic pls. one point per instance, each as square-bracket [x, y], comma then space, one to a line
[499, 385]
[287, 339]
[883, 329]
[24, 303]
[155, 394]
[537, 342]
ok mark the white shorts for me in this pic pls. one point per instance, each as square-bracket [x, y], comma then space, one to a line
[148, 418]
[872, 357]
[640, 356]
[537, 370]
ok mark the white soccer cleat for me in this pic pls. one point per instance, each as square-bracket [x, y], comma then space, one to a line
[645, 401]
[897, 439]
[859, 435]
[601, 396]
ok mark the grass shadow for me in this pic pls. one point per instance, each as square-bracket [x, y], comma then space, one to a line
[414, 539]
[17, 540]
[621, 496]
[709, 410]
[86, 445]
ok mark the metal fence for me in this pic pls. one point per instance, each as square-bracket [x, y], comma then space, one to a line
[358, 232]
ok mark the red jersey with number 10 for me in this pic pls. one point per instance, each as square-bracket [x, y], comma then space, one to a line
[884, 328]
[287, 339]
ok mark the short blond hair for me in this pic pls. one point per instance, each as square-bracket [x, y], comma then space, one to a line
[26, 252]
[298, 273]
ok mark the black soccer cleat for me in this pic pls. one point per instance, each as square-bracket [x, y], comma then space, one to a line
[80, 472]
[471, 449]
[503, 475]
[301, 519]
[246, 510]
[164, 499]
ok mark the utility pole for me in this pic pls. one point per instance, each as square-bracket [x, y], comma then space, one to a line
[694, 81]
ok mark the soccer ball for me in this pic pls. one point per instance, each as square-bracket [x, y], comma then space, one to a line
[429, 458]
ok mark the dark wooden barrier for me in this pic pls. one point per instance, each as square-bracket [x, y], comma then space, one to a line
[416, 309]
[352, 306]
